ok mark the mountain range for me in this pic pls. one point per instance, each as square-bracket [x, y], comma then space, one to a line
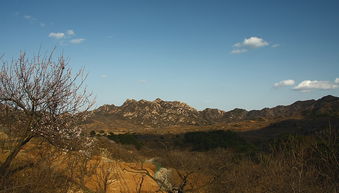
[162, 114]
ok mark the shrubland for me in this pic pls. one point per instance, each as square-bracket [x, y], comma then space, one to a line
[288, 163]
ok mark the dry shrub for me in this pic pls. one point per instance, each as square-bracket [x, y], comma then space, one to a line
[297, 164]
[36, 172]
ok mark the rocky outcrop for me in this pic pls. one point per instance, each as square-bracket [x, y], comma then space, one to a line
[212, 115]
[157, 113]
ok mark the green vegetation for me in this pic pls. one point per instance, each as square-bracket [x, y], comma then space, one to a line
[203, 141]
[92, 133]
[127, 139]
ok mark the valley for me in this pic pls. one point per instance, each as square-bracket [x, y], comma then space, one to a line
[161, 146]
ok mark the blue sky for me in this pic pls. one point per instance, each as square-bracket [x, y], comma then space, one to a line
[217, 54]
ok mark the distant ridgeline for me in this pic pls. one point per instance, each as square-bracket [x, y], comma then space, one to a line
[160, 114]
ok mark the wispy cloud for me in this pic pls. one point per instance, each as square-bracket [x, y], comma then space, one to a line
[103, 76]
[238, 51]
[77, 40]
[309, 85]
[248, 43]
[142, 81]
[275, 45]
[31, 19]
[56, 35]
[66, 37]
[284, 83]
[28, 17]
[70, 32]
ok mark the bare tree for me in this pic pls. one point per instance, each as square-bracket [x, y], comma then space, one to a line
[184, 172]
[45, 100]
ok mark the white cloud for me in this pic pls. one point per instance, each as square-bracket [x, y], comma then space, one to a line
[336, 80]
[255, 42]
[70, 32]
[249, 43]
[57, 35]
[238, 51]
[284, 83]
[308, 85]
[77, 40]
[66, 36]
[252, 42]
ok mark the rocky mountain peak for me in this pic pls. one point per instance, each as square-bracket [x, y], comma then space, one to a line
[328, 98]
[157, 113]
[213, 115]
[105, 109]
[158, 100]
[129, 101]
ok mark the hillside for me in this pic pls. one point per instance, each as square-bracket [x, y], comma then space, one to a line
[164, 114]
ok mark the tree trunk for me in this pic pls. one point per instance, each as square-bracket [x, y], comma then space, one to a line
[4, 166]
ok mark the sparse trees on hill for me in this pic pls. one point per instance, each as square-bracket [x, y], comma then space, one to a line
[42, 98]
